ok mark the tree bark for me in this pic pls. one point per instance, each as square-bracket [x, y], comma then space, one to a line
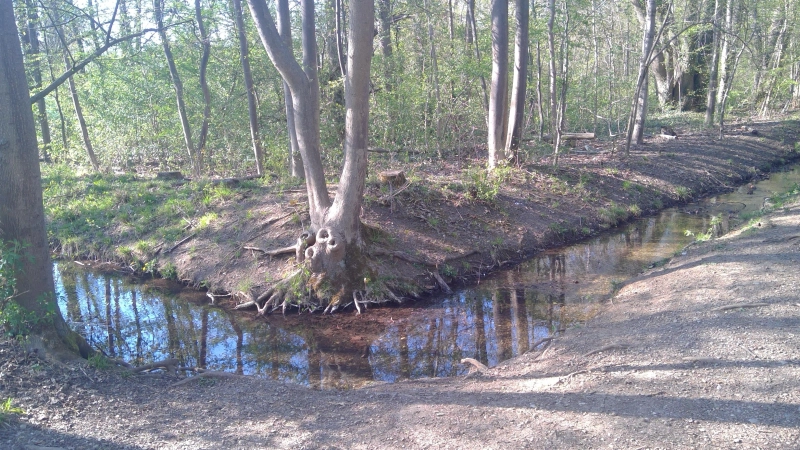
[244, 59]
[519, 85]
[21, 209]
[498, 96]
[285, 30]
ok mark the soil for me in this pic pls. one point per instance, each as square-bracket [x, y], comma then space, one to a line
[703, 352]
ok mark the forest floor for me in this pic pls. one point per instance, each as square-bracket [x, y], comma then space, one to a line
[702, 352]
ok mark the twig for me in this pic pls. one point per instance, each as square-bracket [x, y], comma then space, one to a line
[181, 242]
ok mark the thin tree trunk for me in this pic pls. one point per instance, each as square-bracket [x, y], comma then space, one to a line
[711, 98]
[641, 92]
[435, 82]
[498, 96]
[519, 85]
[62, 121]
[474, 35]
[725, 50]
[244, 58]
[81, 121]
[285, 30]
[178, 86]
[206, 45]
[596, 68]
[555, 131]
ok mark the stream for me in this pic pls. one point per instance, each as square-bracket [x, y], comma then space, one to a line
[142, 321]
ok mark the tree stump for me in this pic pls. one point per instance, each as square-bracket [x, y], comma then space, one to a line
[394, 178]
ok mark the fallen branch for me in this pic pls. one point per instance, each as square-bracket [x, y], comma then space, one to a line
[182, 241]
[607, 348]
[206, 374]
[737, 306]
[441, 282]
[540, 342]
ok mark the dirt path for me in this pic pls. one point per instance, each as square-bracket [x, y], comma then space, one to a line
[701, 353]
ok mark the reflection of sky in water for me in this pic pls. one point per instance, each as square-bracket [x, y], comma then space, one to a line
[500, 319]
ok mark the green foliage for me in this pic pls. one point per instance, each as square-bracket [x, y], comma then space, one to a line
[99, 361]
[16, 319]
[485, 185]
[683, 193]
[7, 408]
[613, 214]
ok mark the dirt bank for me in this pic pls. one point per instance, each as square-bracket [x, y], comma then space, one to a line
[453, 221]
[703, 352]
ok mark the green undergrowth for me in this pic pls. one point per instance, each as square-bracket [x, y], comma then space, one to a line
[124, 217]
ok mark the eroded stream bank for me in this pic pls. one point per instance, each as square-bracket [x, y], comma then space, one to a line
[494, 321]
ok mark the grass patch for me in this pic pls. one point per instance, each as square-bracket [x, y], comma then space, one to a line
[7, 408]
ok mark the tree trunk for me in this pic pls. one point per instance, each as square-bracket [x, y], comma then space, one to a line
[206, 45]
[498, 96]
[555, 131]
[519, 86]
[711, 97]
[641, 90]
[244, 58]
[335, 246]
[725, 50]
[178, 86]
[285, 30]
[21, 208]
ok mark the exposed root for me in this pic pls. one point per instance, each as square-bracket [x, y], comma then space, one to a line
[607, 348]
[441, 282]
[478, 365]
[540, 342]
[170, 365]
[738, 306]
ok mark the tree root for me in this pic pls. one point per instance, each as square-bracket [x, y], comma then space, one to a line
[478, 365]
[170, 365]
[607, 348]
[738, 306]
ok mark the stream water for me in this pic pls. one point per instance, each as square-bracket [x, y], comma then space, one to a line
[146, 320]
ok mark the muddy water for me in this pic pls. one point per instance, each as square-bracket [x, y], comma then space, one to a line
[141, 321]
